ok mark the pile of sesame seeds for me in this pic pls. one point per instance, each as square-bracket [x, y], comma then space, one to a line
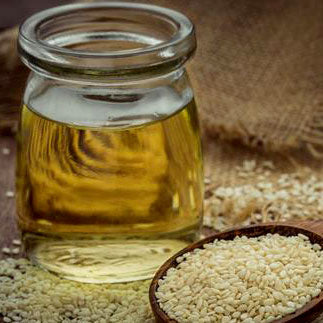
[249, 280]
[31, 295]
[263, 194]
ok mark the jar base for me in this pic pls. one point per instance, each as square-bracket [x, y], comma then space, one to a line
[96, 259]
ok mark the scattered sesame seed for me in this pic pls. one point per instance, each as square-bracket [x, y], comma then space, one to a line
[38, 296]
[258, 196]
[207, 180]
[5, 151]
[6, 250]
[15, 251]
[10, 194]
[16, 242]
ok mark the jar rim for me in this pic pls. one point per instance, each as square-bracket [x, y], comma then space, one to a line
[44, 55]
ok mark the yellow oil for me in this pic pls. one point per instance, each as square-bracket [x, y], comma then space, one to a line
[108, 204]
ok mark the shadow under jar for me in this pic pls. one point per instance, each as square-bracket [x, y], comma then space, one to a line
[109, 171]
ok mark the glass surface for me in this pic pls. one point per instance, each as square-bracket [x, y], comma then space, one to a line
[109, 171]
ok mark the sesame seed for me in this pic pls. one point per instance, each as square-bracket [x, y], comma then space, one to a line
[15, 251]
[16, 242]
[10, 194]
[6, 250]
[207, 180]
[5, 151]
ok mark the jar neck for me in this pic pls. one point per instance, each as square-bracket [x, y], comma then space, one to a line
[106, 41]
[71, 75]
[140, 81]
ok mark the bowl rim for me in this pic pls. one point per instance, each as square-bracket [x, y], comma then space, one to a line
[310, 309]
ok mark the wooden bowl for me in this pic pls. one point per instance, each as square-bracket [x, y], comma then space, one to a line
[308, 313]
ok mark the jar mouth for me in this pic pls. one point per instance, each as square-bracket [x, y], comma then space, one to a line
[113, 38]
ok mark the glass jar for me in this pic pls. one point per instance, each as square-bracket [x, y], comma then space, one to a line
[109, 170]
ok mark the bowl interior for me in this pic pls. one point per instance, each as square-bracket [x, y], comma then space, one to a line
[305, 314]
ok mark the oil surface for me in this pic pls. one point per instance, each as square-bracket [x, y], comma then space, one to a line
[108, 202]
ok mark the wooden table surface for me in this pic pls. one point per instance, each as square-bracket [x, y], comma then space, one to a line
[8, 229]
